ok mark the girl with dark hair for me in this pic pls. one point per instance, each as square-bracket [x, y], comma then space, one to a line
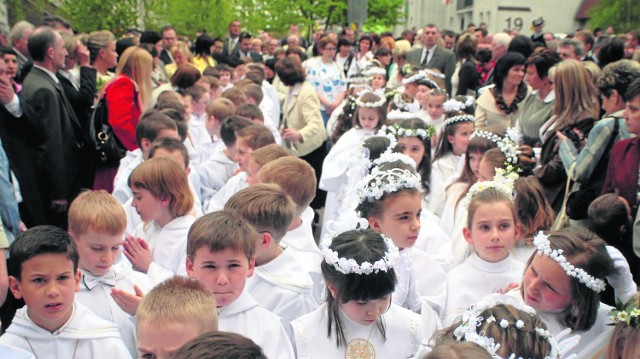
[203, 58]
[359, 318]
[499, 105]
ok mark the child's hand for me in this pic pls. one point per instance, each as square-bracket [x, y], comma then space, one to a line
[509, 288]
[128, 302]
[137, 252]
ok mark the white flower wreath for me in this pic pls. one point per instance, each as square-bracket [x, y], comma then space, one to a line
[455, 105]
[541, 242]
[399, 131]
[350, 265]
[502, 181]
[380, 182]
[382, 100]
[459, 118]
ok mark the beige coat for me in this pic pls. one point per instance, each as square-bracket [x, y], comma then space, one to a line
[488, 114]
[301, 112]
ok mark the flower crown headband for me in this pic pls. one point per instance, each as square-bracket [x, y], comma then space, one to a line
[413, 78]
[375, 70]
[486, 135]
[375, 104]
[510, 152]
[456, 105]
[541, 242]
[380, 182]
[433, 73]
[350, 265]
[397, 130]
[459, 118]
[626, 313]
[471, 320]
[502, 181]
[402, 105]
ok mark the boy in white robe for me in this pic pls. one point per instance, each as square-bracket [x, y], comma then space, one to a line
[297, 178]
[96, 224]
[172, 314]
[44, 272]
[280, 282]
[152, 125]
[220, 254]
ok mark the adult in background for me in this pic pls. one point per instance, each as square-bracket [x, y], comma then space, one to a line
[591, 161]
[244, 50]
[326, 77]
[231, 41]
[499, 46]
[127, 96]
[81, 92]
[203, 58]
[466, 78]
[302, 129]
[576, 108]
[102, 47]
[535, 110]
[432, 56]
[59, 139]
[499, 104]
[169, 38]
[18, 38]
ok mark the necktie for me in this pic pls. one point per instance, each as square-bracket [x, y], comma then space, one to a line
[91, 281]
[426, 58]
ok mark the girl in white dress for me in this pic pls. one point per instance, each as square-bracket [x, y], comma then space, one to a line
[389, 199]
[369, 116]
[457, 128]
[454, 214]
[563, 281]
[492, 229]
[162, 198]
[359, 319]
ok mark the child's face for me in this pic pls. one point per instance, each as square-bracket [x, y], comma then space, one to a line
[435, 107]
[160, 341]
[368, 118]
[486, 170]
[243, 153]
[225, 78]
[412, 147]
[460, 139]
[411, 89]
[493, 231]
[252, 169]
[365, 312]
[200, 106]
[147, 206]
[98, 251]
[223, 273]
[187, 101]
[240, 71]
[378, 81]
[474, 163]
[48, 286]
[631, 116]
[546, 286]
[422, 94]
[400, 219]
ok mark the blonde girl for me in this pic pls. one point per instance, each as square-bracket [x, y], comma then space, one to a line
[625, 340]
[162, 198]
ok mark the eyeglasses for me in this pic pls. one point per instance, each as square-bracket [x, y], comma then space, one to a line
[330, 48]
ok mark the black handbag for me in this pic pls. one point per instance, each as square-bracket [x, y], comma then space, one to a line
[108, 148]
[579, 201]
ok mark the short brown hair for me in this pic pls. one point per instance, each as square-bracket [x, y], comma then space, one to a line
[266, 206]
[256, 136]
[98, 211]
[269, 153]
[290, 71]
[235, 95]
[179, 300]
[295, 176]
[222, 230]
[220, 345]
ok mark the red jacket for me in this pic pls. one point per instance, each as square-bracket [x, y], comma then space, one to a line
[123, 104]
[622, 172]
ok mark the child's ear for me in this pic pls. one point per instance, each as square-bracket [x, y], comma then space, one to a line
[518, 231]
[332, 289]
[73, 236]
[77, 278]
[15, 287]
[466, 232]
[374, 223]
[266, 238]
[449, 138]
[189, 266]
[252, 266]
[165, 198]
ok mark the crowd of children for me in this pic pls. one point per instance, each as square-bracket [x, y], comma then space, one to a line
[436, 240]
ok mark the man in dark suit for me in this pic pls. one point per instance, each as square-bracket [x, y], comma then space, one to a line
[232, 39]
[59, 135]
[169, 37]
[432, 56]
[244, 49]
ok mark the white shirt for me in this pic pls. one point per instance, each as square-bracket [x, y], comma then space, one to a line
[244, 316]
[433, 240]
[95, 293]
[442, 171]
[234, 185]
[214, 172]
[85, 335]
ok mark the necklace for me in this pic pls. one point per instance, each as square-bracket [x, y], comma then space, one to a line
[513, 107]
[360, 348]
[34, 351]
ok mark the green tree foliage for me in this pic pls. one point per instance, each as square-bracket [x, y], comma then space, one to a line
[623, 15]
[92, 15]
[189, 16]
[384, 13]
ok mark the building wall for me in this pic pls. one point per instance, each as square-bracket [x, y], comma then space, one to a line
[498, 14]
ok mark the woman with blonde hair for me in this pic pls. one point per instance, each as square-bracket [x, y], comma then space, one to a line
[181, 55]
[103, 55]
[127, 96]
[576, 107]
